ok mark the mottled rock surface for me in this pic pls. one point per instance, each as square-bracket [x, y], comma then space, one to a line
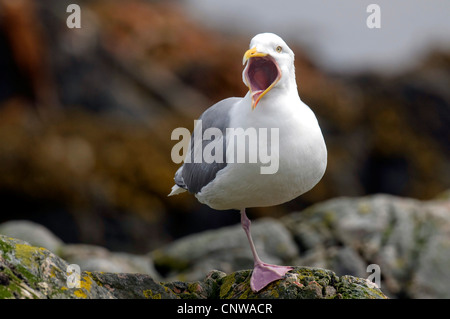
[31, 272]
[407, 240]
[225, 249]
[33, 233]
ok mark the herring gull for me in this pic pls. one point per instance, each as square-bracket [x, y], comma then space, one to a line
[272, 103]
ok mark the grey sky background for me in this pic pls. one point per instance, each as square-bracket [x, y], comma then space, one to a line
[335, 33]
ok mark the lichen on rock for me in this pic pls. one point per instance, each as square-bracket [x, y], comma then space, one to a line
[301, 283]
[30, 272]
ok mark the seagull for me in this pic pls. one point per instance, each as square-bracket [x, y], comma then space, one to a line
[271, 103]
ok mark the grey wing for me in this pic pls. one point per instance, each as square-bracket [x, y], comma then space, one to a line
[194, 176]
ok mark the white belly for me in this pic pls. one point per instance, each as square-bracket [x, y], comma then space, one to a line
[301, 165]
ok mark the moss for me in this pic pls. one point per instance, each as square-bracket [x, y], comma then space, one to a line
[247, 293]
[375, 293]
[236, 285]
[226, 286]
[195, 288]
[148, 293]
[356, 288]
[22, 271]
[5, 292]
[192, 290]
[307, 275]
[9, 284]
[4, 246]
[275, 294]
[16, 285]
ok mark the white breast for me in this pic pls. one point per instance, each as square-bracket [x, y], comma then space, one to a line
[302, 157]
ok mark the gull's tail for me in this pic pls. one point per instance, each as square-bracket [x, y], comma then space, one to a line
[176, 190]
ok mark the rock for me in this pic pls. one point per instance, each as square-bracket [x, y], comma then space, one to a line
[227, 249]
[32, 272]
[31, 232]
[301, 283]
[96, 258]
[132, 286]
[407, 238]
[88, 257]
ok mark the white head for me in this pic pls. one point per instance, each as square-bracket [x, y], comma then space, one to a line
[270, 65]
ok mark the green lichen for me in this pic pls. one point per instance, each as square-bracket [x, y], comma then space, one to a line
[26, 253]
[9, 284]
[148, 293]
[31, 272]
[356, 288]
[5, 248]
[275, 294]
[195, 288]
[5, 292]
[306, 275]
[16, 286]
[23, 260]
[236, 285]
[246, 291]
[227, 283]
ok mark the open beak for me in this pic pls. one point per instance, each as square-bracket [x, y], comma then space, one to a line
[260, 75]
[252, 53]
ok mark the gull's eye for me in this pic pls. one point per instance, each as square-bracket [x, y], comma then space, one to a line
[279, 49]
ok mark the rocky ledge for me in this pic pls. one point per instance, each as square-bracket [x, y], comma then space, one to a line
[404, 241]
[34, 272]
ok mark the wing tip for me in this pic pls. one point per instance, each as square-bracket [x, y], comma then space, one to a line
[176, 190]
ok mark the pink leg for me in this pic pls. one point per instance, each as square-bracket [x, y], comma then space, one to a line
[263, 274]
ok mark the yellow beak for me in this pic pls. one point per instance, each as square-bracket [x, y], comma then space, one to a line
[256, 96]
[252, 53]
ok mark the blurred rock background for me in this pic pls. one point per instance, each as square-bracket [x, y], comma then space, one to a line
[86, 117]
